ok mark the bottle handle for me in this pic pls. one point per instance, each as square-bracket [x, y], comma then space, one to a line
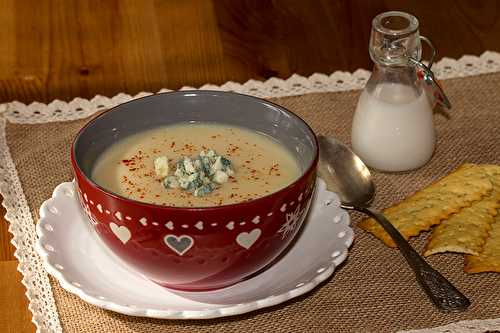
[433, 49]
[434, 89]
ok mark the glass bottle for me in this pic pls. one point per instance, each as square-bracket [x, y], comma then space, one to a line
[393, 127]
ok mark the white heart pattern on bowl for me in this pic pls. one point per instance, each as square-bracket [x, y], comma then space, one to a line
[121, 232]
[179, 245]
[247, 239]
[199, 225]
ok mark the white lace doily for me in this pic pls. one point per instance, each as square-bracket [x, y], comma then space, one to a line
[22, 226]
[78, 108]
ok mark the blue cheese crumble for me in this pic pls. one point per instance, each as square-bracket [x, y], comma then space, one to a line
[199, 175]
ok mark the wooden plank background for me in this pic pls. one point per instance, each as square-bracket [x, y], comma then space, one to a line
[63, 49]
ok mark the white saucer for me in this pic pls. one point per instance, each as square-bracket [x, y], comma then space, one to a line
[73, 254]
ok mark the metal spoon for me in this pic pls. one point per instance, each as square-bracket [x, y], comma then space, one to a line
[351, 180]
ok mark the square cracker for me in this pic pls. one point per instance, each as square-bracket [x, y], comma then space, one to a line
[467, 230]
[489, 259]
[434, 203]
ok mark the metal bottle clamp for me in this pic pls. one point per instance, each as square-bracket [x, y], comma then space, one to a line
[427, 76]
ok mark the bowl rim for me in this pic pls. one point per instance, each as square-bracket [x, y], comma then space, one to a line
[308, 170]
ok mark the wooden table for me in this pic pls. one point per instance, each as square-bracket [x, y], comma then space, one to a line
[64, 49]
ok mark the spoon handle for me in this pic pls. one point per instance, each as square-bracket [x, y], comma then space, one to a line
[442, 293]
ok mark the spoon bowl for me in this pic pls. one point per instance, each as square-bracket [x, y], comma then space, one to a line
[352, 181]
[349, 176]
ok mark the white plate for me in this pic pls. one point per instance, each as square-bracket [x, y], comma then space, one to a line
[73, 254]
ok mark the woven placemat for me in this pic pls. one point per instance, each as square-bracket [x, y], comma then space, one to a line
[373, 290]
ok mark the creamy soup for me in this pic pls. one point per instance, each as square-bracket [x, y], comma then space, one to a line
[261, 165]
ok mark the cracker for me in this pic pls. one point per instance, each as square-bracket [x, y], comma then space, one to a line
[434, 203]
[489, 259]
[467, 230]
[493, 172]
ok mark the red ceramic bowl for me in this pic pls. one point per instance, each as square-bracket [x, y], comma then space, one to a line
[196, 248]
